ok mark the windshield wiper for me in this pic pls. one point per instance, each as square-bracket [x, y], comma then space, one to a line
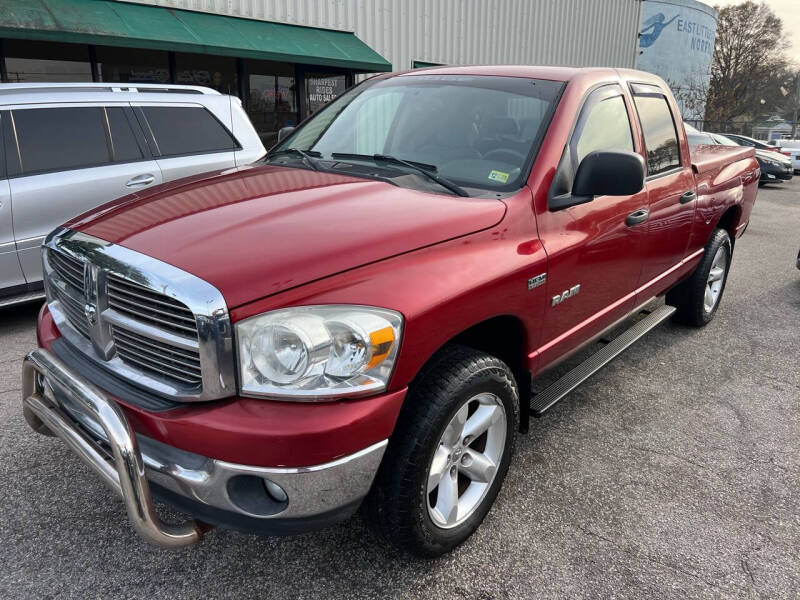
[305, 157]
[421, 168]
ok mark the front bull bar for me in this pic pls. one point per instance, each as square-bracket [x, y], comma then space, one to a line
[41, 370]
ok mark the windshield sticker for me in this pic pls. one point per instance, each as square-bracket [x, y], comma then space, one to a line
[498, 176]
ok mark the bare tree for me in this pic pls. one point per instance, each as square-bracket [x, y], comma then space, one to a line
[750, 63]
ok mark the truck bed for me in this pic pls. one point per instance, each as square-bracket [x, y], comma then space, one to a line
[707, 158]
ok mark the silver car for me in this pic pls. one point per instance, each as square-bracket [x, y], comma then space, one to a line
[67, 148]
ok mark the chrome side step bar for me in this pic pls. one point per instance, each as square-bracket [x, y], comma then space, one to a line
[545, 399]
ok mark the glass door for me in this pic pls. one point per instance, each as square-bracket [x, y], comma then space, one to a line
[272, 98]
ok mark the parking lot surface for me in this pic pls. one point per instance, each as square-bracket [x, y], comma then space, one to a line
[674, 472]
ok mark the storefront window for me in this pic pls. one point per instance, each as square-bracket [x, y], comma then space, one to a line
[321, 88]
[217, 72]
[45, 61]
[132, 65]
[272, 100]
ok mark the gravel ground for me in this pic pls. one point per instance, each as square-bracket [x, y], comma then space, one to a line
[674, 472]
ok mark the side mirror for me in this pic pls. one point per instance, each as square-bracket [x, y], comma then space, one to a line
[284, 132]
[603, 174]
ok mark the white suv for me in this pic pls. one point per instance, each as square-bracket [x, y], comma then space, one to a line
[67, 148]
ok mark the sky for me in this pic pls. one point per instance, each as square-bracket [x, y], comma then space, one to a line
[788, 11]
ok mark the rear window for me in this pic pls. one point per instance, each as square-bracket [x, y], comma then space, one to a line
[59, 139]
[660, 136]
[123, 142]
[187, 130]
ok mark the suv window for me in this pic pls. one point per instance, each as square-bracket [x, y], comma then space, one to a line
[187, 130]
[604, 125]
[123, 141]
[660, 135]
[58, 139]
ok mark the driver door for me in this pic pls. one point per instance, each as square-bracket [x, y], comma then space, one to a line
[593, 254]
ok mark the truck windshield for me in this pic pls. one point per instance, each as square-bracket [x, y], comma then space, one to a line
[469, 131]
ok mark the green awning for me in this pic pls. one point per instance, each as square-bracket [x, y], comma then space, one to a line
[109, 23]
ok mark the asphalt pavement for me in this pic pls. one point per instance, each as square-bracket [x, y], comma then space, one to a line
[675, 472]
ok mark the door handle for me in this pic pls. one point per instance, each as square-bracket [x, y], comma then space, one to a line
[637, 217]
[140, 180]
[687, 197]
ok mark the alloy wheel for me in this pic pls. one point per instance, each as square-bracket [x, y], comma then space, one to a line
[716, 279]
[466, 460]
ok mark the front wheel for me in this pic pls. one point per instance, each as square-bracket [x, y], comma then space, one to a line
[448, 455]
[698, 298]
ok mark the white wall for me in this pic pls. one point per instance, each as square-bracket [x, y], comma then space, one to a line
[564, 32]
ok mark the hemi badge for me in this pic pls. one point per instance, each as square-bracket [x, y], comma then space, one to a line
[537, 281]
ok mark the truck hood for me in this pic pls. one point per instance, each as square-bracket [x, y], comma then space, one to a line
[255, 231]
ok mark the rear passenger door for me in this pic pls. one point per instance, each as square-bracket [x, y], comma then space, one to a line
[186, 139]
[593, 253]
[64, 160]
[670, 188]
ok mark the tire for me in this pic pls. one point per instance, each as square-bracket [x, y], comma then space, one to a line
[692, 297]
[401, 506]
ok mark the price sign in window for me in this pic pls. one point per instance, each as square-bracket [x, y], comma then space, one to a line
[321, 88]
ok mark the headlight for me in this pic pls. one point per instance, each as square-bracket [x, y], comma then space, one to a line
[317, 352]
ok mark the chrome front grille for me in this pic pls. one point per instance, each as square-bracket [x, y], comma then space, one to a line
[123, 310]
[70, 269]
[71, 294]
[158, 357]
[156, 309]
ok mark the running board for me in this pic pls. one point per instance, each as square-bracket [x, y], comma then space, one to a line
[22, 298]
[559, 389]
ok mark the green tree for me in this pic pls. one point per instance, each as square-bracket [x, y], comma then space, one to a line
[750, 64]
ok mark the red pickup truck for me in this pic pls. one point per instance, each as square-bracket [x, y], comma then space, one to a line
[355, 320]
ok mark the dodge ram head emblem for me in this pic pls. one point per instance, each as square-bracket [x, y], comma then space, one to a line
[573, 291]
[91, 313]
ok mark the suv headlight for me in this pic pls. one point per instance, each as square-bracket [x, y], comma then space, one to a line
[317, 352]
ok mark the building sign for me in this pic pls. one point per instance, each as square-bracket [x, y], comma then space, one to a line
[321, 90]
[676, 42]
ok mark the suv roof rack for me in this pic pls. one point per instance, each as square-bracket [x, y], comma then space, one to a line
[106, 87]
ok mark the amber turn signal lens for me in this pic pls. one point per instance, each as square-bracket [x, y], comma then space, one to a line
[382, 341]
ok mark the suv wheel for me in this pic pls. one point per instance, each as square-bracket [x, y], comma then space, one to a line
[698, 298]
[448, 455]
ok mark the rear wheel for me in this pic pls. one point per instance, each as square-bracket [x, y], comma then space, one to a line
[698, 298]
[448, 455]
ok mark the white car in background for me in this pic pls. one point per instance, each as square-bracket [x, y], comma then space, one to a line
[67, 148]
[791, 149]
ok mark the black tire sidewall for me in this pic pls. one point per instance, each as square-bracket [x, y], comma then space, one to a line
[428, 531]
[720, 238]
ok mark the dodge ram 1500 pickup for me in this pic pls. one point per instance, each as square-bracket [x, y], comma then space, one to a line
[355, 320]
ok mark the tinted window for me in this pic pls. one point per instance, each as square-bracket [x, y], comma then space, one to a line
[604, 127]
[660, 138]
[123, 142]
[61, 138]
[186, 130]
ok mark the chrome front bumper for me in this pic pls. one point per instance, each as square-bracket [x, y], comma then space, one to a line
[58, 402]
